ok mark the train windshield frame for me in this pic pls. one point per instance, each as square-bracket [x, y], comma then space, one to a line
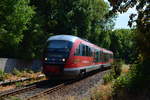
[58, 48]
[59, 44]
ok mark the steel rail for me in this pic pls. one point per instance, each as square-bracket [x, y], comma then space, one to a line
[58, 87]
[47, 91]
[44, 92]
[17, 91]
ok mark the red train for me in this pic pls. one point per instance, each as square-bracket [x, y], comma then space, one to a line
[67, 56]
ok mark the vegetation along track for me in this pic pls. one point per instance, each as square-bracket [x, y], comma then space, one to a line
[11, 82]
[44, 88]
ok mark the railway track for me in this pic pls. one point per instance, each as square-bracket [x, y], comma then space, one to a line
[47, 91]
[35, 91]
[17, 91]
[59, 87]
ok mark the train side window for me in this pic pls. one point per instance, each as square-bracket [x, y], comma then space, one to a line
[90, 51]
[84, 50]
[97, 55]
[87, 50]
[78, 51]
[101, 56]
[111, 56]
[106, 57]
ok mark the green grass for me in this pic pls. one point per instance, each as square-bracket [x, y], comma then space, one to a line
[2, 75]
[14, 98]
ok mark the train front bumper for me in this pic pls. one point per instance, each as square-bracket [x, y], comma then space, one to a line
[65, 74]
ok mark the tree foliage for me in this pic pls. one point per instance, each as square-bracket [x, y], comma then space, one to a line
[76, 17]
[139, 74]
[15, 16]
[123, 45]
[25, 25]
[142, 21]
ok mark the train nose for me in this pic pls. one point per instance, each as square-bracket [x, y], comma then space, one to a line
[54, 60]
[53, 69]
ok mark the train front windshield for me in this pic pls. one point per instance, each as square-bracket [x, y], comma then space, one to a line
[59, 44]
[58, 48]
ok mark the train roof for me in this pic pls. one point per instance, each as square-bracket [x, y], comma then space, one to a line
[64, 37]
[72, 38]
[107, 51]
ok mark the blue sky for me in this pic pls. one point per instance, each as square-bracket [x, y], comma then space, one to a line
[122, 19]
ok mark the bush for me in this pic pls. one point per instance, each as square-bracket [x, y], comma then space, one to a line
[108, 77]
[140, 75]
[2, 75]
[18, 84]
[121, 82]
[134, 82]
[16, 72]
[29, 71]
[114, 73]
[116, 68]
[104, 92]
[14, 98]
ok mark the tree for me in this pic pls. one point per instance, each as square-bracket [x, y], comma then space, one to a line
[15, 15]
[138, 77]
[83, 18]
[142, 21]
[76, 17]
[26, 25]
[123, 45]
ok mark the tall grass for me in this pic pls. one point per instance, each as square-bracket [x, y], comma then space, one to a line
[135, 84]
[116, 70]
[2, 75]
[105, 91]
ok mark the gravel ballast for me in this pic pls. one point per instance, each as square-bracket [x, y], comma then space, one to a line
[77, 90]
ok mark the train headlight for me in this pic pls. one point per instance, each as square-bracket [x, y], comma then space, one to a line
[45, 59]
[63, 59]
